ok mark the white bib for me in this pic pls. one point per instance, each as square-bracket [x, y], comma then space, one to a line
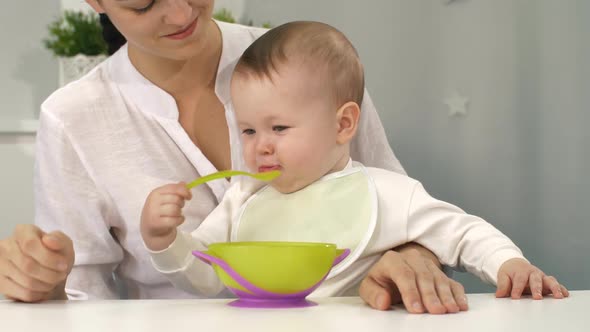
[339, 208]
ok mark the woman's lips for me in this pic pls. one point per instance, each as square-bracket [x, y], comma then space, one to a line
[184, 32]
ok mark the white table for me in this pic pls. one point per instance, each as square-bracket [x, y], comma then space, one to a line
[334, 314]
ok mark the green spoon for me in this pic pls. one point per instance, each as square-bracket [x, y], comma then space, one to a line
[264, 176]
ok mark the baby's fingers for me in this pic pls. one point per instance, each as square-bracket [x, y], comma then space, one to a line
[174, 199]
[504, 285]
[536, 284]
[165, 225]
[550, 284]
[179, 189]
[519, 283]
[564, 291]
[169, 210]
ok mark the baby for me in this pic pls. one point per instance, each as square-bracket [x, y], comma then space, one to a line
[297, 93]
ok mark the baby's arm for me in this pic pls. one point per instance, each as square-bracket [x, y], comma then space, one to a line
[467, 241]
[177, 263]
[458, 239]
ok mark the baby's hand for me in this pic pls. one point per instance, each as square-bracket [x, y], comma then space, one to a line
[162, 213]
[517, 276]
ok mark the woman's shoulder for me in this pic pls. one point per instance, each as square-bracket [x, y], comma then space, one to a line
[90, 91]
[237, 37]
[234, 31]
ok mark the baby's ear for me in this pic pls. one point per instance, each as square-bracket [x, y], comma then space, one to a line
[348, 118]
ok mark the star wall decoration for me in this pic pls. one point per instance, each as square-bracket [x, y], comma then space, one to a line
[457, 104]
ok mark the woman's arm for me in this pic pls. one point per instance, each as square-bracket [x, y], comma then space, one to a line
[370, 145]
[68, 200]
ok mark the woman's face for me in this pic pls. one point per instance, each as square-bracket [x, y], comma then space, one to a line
[174, 29]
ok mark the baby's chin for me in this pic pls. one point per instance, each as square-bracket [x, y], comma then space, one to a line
[288, 188]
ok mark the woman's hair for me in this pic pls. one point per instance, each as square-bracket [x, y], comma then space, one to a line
[111, 35]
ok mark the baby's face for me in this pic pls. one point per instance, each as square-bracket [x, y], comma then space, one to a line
[287, 124]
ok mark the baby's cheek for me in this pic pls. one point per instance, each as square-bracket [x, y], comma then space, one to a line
[249, 157]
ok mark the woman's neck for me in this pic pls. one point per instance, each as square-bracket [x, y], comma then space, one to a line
[182, 77]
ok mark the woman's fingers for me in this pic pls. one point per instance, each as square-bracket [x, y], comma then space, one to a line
[32, 267]
[60, 243]
[459, 294]
[427, 286]
[445, 289]
[376, 295]
[415, 281]
[16, 284]
[404, 280]
[24, 280]
[16, 292]
[28, 271]
[390, 281]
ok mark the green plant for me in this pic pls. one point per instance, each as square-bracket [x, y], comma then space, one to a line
[76, 32]
[225, 15]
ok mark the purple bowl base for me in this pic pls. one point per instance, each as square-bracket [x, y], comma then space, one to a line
[271, 304]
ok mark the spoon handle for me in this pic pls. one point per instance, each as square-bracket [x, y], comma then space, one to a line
[214, 176]
[266, 176]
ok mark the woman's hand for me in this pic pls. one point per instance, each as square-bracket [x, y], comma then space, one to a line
[34, 265]
[411, 274]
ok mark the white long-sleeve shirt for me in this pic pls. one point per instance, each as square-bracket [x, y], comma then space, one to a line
[405, 213]
[108, 139]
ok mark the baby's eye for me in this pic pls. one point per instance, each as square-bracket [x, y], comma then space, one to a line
[279, 128]
[248, 132]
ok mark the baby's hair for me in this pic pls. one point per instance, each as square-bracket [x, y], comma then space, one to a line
[319, 47]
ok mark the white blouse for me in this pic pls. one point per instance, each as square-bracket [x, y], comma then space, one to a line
[108, 139]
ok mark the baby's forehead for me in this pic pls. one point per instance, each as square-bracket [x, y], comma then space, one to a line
[308, 74]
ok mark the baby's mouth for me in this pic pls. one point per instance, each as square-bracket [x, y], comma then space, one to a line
[268, 168]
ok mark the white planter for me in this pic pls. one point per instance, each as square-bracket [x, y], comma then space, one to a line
[72, 68]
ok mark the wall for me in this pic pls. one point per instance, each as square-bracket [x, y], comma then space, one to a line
[28, 74]
[27, 70]
[74, 5]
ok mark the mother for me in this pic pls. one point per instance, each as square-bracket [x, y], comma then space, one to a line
[157, 111]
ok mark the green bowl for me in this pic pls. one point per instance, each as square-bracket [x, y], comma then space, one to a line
[277, 267]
